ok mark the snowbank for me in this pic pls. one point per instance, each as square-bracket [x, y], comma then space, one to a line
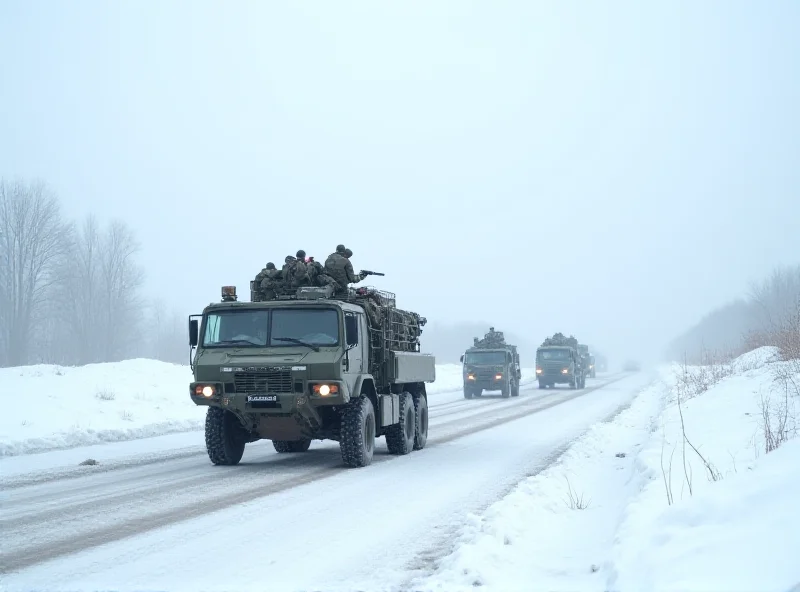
[545, 535]
[53, 407]
[606, 517]
[732, 523]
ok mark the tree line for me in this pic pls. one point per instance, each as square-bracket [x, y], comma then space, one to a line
[768, 315]
[71, 292]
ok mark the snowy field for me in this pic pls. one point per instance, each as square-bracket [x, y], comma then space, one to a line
[608, 517]
[54, 407]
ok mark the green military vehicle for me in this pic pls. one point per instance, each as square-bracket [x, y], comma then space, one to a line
[558, 361]
[310, 366]
[491, 364]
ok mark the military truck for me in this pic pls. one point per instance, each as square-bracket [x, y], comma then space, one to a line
[310, 366]
[491, 364]
[592, 367]
[602, 363]
[558, 361]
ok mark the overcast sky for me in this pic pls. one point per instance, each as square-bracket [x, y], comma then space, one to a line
[608, 169]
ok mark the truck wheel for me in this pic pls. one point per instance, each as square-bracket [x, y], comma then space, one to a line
[400, 436]
[505, 390]
[573, 384]
[542, 384]
[515, 390]
[421, 413]
[225, 437]
[467, 393]
[282, 446]
[357, 433]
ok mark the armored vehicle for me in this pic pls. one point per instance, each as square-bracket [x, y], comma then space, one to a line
[491, 364]
[558, 361]
[310, 366]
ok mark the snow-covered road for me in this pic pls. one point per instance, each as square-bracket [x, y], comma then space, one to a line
[166, 518]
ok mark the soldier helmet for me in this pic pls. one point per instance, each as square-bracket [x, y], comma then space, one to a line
[348, 253]
[340, 249]
[491, 328]
[288, 259]
[270, 265]
[301, 254]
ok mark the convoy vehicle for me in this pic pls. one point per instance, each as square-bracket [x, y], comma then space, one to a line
[309, 366]
[559, 362]
[490, 365]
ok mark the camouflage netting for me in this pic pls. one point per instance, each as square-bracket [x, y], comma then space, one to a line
[491, 339]
[400, 328]
[560, 340]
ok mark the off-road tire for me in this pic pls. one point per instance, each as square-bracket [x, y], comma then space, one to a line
[421, 413]
[400, 436]
[357, 433]
[225, 437]
[542, 384]
[573, 384]
[467, 393]
[283, 446]
[505, 390]
[515, 389]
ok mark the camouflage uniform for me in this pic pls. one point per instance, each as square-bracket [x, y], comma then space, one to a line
[338, 266]
[265, 281]
[284, 275]
[298, 272]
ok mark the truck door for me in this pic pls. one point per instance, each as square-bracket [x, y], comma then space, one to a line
[356, 343]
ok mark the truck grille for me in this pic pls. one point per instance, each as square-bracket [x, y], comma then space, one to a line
[485, 374]
[271, 381]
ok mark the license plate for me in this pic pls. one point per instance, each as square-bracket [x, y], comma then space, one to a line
[262, 398]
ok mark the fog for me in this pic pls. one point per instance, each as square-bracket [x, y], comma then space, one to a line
[609, 170]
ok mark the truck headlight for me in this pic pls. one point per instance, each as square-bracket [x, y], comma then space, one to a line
[498, 376]
[538, 371]
[323, 390]
[470, 377]
[565, 371]
[205, 390]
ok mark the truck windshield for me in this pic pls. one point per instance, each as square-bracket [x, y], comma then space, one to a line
[489, 357]
[252, 328]
[315, 327]
[553, 354]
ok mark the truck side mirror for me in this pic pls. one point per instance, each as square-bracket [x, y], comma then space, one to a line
[351, 330]
[462, 358]
[194, 331]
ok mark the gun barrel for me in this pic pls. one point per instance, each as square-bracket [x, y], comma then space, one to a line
[367, 272]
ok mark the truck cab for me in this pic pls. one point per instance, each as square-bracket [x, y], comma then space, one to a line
[559, 364]
[490, 369]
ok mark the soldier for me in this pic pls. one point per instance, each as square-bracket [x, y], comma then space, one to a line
[284, 275]
[265, 281]
[298, 273]
[338, 266]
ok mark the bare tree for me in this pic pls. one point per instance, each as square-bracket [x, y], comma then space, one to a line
[121, 280]
[81, 295]
[32, 237]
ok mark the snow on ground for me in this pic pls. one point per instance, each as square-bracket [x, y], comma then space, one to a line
[600, 518]
[50, 407]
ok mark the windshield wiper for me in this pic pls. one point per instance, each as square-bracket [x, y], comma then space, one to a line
[238, 342]
[297, 341]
